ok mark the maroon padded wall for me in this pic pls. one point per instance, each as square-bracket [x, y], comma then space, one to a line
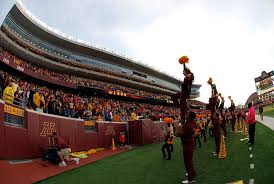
[31, 141]
[146, 132]
[142, 132]
[107, 131]
[135, 132]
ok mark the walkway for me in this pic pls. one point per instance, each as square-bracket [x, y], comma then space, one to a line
[38, 170]
[268, 121]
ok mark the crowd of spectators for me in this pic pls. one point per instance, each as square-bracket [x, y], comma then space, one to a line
[57, 58]
[84, 81]
[63, 103]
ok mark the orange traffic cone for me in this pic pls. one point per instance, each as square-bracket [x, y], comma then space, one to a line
[113, 147]
[222, 153]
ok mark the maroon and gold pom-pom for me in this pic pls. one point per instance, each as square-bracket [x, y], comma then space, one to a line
[183, 60]
[168, 120]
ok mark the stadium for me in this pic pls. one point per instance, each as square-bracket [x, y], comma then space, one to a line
[67, 72]
[106, 106]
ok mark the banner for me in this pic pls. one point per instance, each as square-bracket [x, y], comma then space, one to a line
[14, 116]
[90, 125]
[119, 93]
[14, 110]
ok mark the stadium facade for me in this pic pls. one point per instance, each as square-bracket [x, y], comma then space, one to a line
[31, 40]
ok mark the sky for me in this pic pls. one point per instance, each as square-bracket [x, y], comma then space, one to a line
[231, 41]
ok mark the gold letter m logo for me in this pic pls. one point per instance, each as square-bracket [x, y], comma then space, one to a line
[48, 128]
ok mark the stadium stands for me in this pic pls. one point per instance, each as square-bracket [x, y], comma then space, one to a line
[64, 83]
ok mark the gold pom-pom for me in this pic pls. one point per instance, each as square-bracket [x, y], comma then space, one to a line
[183, 60]
[168, 120]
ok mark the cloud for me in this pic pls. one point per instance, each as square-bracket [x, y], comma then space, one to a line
[5, 7]
[227, 47]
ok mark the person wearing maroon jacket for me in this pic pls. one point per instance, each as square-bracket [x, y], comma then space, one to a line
[180, 99]
[187, 139]
[217, 135]
[63, 150]
[223, 122]
[233, 121]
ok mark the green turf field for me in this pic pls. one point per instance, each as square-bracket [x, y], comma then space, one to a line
[145, 165]
[268, 111]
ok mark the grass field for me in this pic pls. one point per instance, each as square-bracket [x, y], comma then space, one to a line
[144, 165]
[268, 111]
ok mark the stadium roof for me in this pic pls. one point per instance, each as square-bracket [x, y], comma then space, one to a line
[40, 30]
[33, 26]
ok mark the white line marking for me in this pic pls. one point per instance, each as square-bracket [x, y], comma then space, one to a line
[251, 181]
[252, 166]
[244, 139]
[250, 148]
[251, 156]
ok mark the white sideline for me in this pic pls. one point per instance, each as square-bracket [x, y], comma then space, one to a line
[251, 181]
[251, 156]
[252, 166]
[267, 121]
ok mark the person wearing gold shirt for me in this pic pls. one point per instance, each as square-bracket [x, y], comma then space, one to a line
[8, 94]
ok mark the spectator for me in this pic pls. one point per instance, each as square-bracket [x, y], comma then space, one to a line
[107, 116]
[123, 117]
[31, 94]
[37, 100]
[8, 94]
[116, 118]
[51, 106]
[133, 116]
[87, 113]
[63, 150]
[2, 82]
[66, 111]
